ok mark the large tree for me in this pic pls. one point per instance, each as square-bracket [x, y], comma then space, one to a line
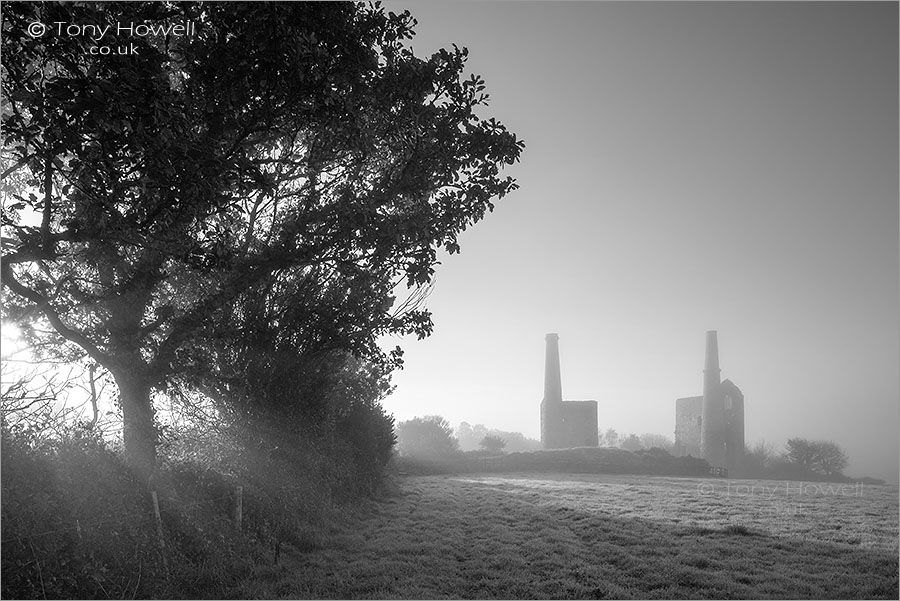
[801, 452]
[822, 456]
[830, 458]
[264, 149]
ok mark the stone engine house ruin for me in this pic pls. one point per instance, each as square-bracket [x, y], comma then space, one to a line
[564, 424]
[711, 426]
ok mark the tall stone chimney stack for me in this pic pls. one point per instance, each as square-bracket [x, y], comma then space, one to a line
[711, 371]
[552, 404]
[564, 424]
[712, 427]
[552, 379]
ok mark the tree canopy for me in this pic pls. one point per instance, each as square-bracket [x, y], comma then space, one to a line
[492, 444]
[822, 456]
[429, 437]
[288, 164]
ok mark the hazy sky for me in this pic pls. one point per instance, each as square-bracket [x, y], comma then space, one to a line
[688, 167]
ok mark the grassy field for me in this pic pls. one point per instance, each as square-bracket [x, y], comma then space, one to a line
[593, 536]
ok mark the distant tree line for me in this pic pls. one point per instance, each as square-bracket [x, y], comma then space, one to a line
[801, 458]
[433, 437]
[634, 442]
[429, 445]
[473, 438]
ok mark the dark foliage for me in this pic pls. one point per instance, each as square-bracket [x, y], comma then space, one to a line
[290, 162]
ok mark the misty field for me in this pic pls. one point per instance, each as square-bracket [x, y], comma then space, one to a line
[597, 536]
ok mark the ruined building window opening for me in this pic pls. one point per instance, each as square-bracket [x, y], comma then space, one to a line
[699, 420]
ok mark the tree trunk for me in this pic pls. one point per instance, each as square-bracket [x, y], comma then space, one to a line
[139, 430]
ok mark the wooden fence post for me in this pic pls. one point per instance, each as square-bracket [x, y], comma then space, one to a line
[239, 507]
[159, 530]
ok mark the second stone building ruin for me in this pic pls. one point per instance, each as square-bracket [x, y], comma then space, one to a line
[564, 424]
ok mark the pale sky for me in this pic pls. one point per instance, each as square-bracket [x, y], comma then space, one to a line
[688, 167]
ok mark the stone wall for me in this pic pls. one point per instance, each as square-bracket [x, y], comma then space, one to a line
[579, 424]
[688, 419]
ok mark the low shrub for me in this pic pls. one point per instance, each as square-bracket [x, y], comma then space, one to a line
[366, 435]
[77, 524]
